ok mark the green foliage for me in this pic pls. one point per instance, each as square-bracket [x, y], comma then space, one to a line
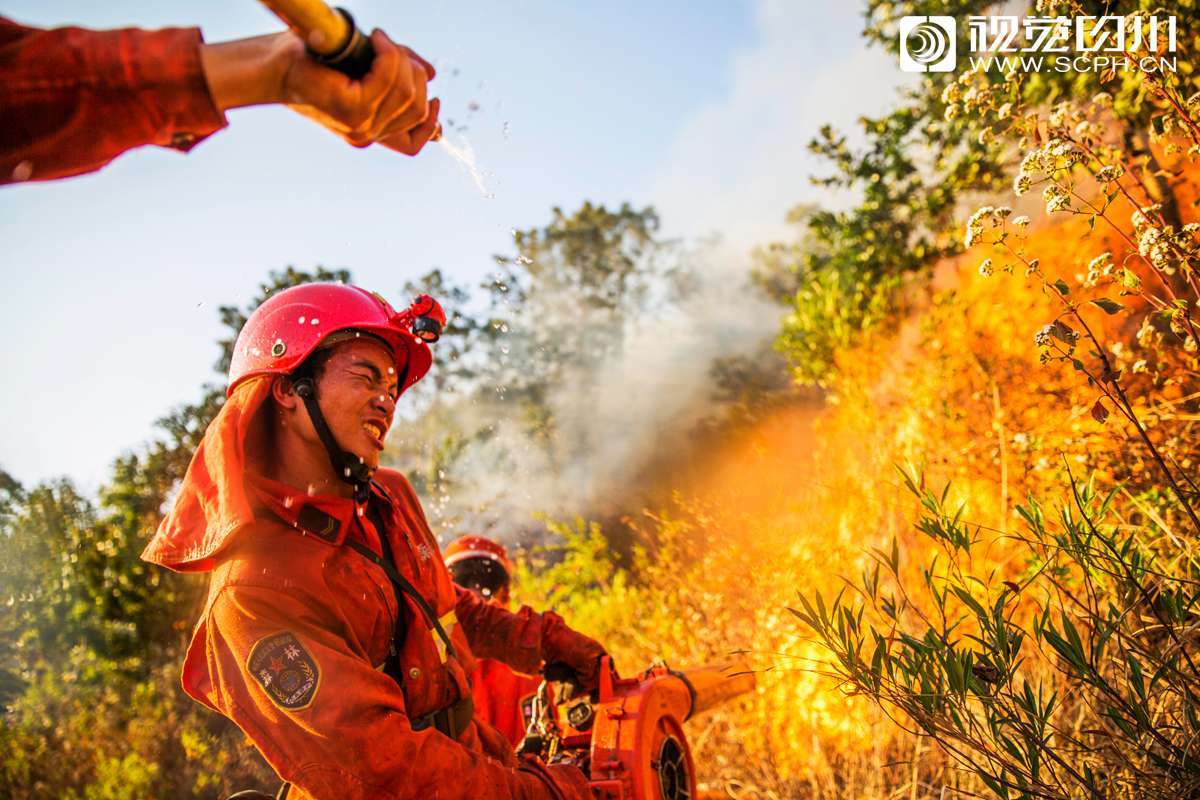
[830, 312]
[849, 265]
[1078, 678]
[560, 306]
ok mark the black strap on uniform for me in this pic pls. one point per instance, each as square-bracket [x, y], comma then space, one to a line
[392, 666]
[455, 718]
[399, 581]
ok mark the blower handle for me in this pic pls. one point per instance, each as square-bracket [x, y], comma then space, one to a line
[329, 34]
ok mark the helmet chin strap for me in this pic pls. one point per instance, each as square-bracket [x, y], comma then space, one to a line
[349, 467]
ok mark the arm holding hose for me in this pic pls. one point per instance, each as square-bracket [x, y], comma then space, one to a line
[388, 105]
[75, 99]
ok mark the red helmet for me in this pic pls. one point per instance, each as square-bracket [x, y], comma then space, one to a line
[480, 565]
[288, 327]
[471, 546]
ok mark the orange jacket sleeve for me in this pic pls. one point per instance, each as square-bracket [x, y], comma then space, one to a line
[72, 100]
[330, 723]
[526, 639]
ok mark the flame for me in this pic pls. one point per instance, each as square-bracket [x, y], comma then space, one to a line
[794, 503]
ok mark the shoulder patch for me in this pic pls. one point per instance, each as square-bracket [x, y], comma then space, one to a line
[285, 670]
[318, 523]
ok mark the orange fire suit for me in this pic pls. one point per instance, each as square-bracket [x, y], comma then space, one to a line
[72, 100]
[503, 698]
[297, 628]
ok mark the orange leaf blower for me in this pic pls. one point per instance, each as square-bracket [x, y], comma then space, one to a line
[628, 736]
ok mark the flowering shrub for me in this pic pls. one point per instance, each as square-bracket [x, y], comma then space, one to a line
[1053, 652]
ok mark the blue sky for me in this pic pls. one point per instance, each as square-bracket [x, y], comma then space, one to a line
[112, 281]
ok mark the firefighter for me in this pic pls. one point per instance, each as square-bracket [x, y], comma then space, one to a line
[333, 635]
[72, 99]
[502, 697]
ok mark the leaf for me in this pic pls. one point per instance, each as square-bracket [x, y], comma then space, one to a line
[1135, 675]
[1109, 306]
[970, 602]
[1099, 412]
[1062, 287]
[1130, 280]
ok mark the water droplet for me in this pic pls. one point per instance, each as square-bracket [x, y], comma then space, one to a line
[346, 472]
[315, 321]
[302, 320]
[288, 501]
[391, 371]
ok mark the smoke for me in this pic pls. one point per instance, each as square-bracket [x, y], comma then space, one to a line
[615, 419]
[623, 423]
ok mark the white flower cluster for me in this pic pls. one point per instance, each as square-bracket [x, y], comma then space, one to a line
[1055, 155]
[1056, 198]
[1155, 247]
[985, 217]
[985, 268]
[1109, 173]
[1061, 114]
[1099, 268]
[1141, 217]
[1154, 243]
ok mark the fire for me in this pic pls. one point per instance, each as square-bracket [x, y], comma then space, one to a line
[799, 500]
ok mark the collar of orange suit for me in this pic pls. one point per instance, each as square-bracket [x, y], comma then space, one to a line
[221, 493]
